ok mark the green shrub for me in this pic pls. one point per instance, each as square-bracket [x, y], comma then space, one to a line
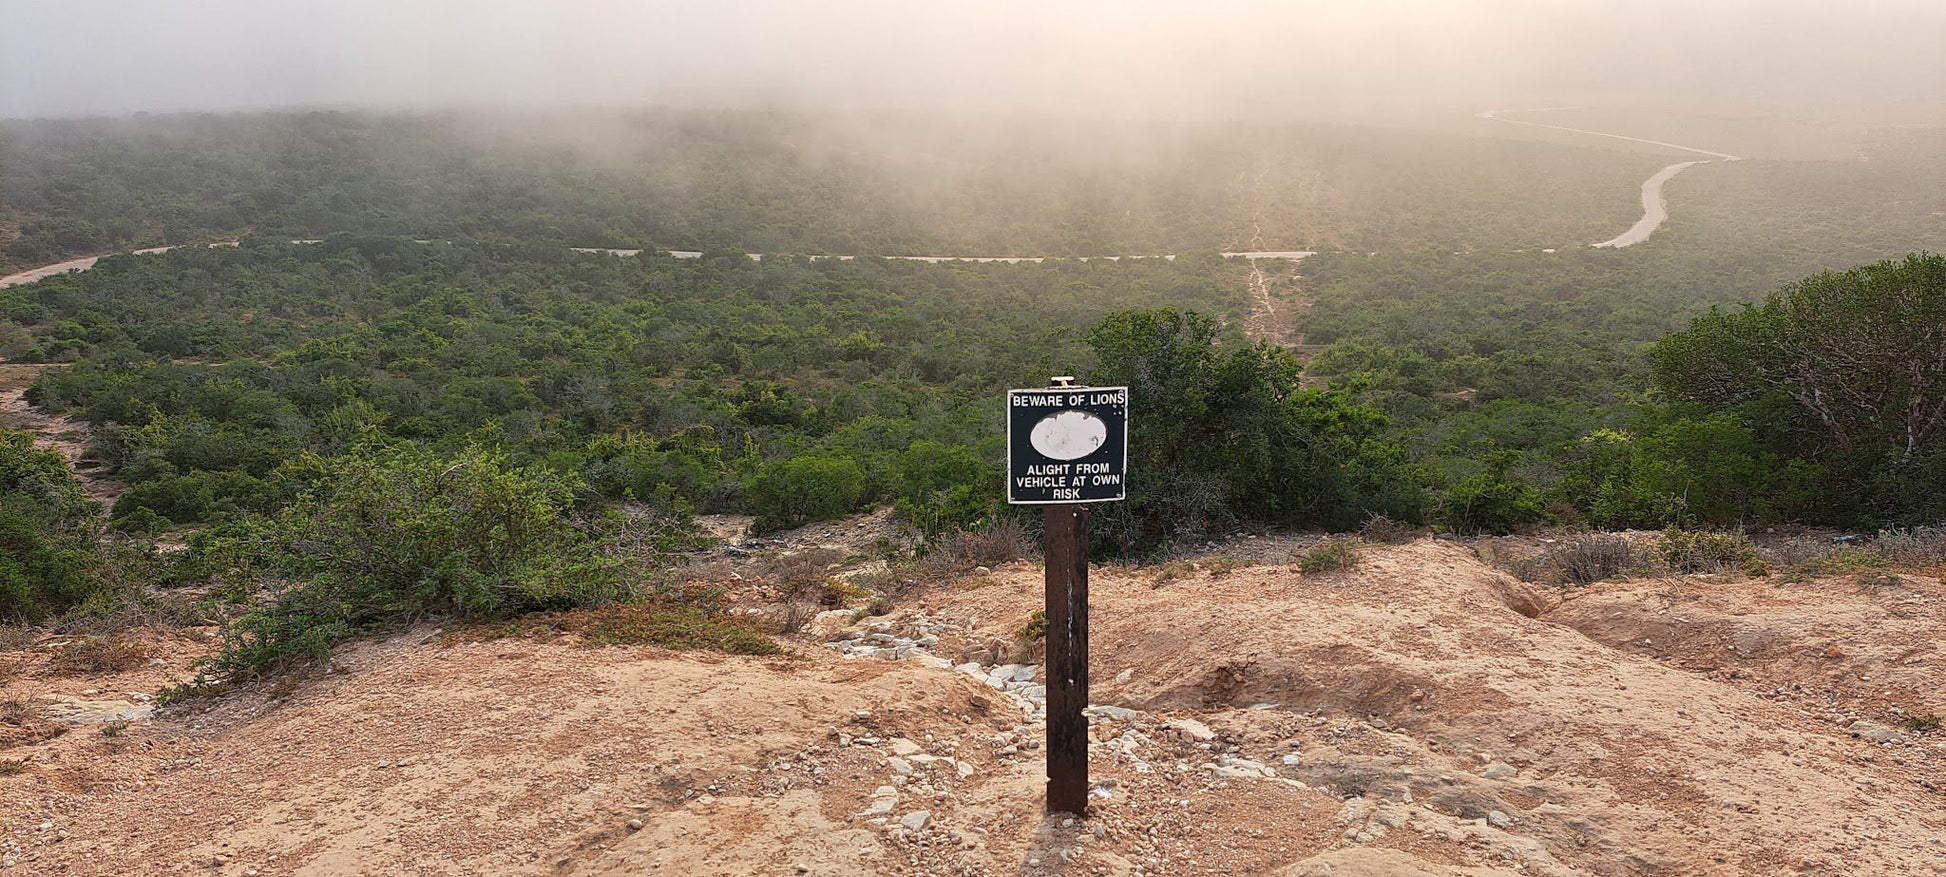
[795, 491]
[140, 521]
[199, 497]
[1333, 555]
[41, 573]
[46, 549]
[1227, 432]
[1491, 502]
[1035, 628]
[385, 534]
[944, 489]
[1702, 551]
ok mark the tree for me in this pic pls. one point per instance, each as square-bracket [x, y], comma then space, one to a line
[1843, 375]
[1219, 434]
[1861, 354]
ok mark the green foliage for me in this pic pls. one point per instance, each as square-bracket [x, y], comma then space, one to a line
[1843, 374]
[944, 489]
[1332, 555]
[41, 573]
[46, 550]
[1491, 501]
[31, 474]
[1035, 628]
[1219, 434]
[386, 533]
[795, 491]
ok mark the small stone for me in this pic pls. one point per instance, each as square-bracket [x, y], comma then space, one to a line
[1498, 819]
[902, 746]
[635, 825]
[917, 820]
[1498, 770]
[900, 766]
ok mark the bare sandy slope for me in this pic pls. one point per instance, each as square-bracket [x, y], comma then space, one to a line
[1423, 714]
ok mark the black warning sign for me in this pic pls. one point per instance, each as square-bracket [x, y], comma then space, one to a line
[1067, 444]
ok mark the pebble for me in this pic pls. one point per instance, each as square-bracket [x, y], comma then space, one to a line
[917, 820]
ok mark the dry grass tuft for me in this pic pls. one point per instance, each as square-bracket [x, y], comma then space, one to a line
[21, 725]
[666, 625]
[114, 653]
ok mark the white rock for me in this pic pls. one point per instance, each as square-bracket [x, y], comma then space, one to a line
[828, 624]
[1499, 819]
[1115, 713]
[1194, 730]
[884, 799]
[81, 711]
[900, 766]
[917, 820]
[903, 746]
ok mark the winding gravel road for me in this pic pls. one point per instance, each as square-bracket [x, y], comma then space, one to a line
[1655, 208]
[1655, 211]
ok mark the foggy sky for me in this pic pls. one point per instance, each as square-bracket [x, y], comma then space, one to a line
[1144, 57]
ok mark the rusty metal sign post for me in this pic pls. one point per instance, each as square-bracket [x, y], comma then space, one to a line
[1067, 446]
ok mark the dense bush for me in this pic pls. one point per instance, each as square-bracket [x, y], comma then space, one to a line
[1839, 379]
[1222, 433]
[790, 492]
[46, 547]
[945, 489]
[387, 533]
[1491, 501]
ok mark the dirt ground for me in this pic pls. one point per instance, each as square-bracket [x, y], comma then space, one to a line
[1422, 714]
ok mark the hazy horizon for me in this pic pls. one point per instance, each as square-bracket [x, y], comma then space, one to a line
[1149, 59]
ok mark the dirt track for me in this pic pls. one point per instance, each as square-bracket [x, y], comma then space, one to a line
[1423, 714]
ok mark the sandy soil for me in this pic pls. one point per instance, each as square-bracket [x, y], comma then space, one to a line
[1422, 714]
